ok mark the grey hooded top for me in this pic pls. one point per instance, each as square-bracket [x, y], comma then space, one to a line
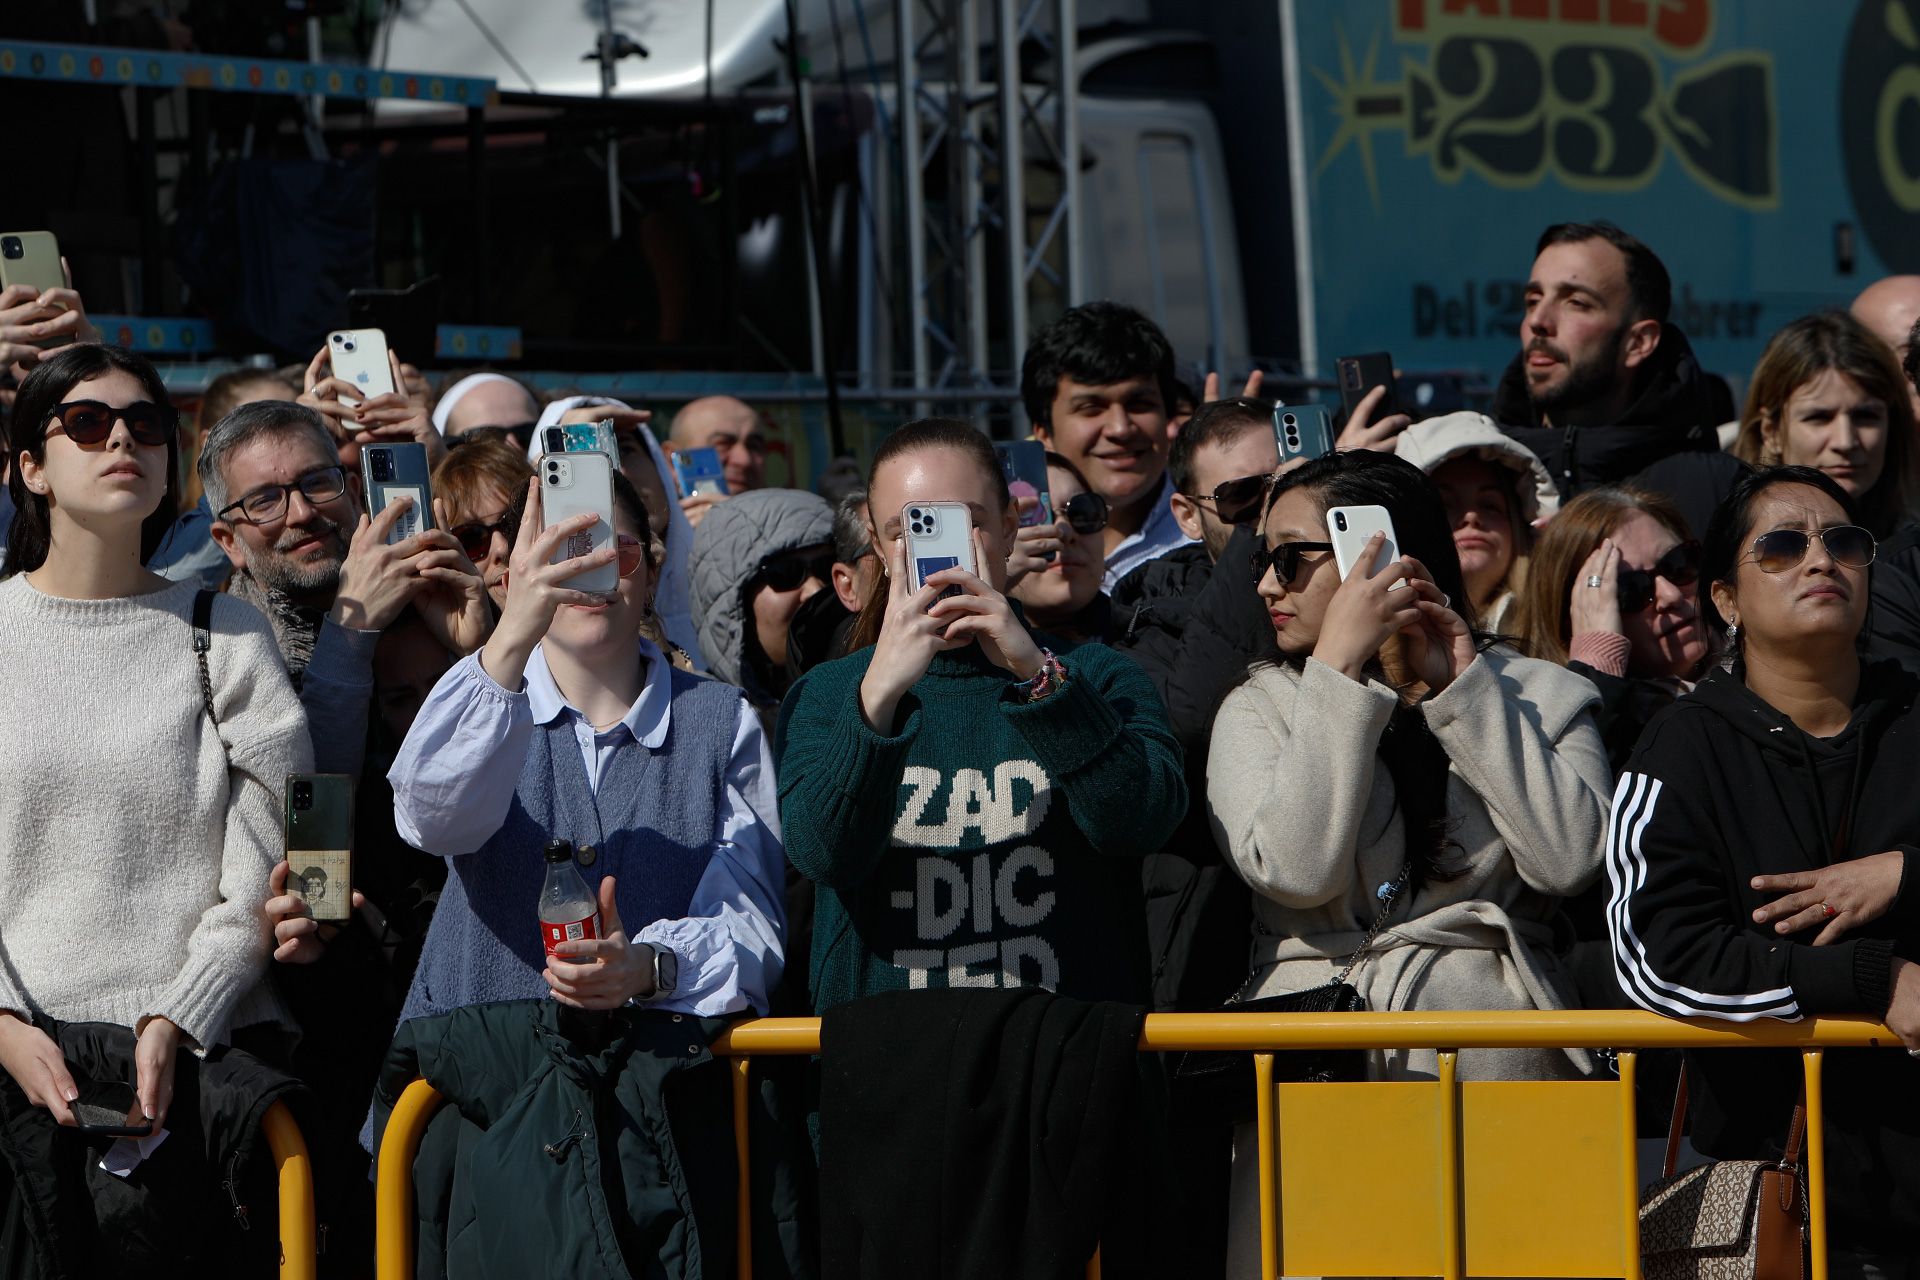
[727, 550]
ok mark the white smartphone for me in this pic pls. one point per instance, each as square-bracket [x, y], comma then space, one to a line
[359, 356]
[573, 484]
[939, 536]
[1348, 529]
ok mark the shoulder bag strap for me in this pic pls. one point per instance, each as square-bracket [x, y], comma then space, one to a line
[202, 642]
[1677, 1125]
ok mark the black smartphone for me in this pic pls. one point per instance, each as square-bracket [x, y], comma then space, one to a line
[319, 843]
[103, 1107]
[398, 470]
[1360, 374]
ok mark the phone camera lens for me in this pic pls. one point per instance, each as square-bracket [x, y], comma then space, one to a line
[1290, 421]
[1340, 521]
[11, 247]
[552, 479]
[347, 344]
[303, 795]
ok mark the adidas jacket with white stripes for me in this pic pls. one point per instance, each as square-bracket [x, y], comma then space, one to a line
[1722, 787]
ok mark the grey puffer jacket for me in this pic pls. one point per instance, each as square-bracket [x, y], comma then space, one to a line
[727, 550]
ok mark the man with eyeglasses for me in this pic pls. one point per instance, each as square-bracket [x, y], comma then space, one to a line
[288, 516]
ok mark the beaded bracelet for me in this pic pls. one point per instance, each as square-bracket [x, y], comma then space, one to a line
[1051, 675]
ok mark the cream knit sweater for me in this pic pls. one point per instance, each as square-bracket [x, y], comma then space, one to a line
[134, 850]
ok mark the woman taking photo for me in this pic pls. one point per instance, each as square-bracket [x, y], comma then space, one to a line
[1061, 595]
[1760, 848]
[955, 748]
[1829, 394]
[1494, 489]
[569, 725]
[167, 841]
[1614, 596]
[1396, 790]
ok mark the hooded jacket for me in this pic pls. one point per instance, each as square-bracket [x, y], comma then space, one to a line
[1432, 444]
[733, 540]
[1724, 787]
[1668, 440]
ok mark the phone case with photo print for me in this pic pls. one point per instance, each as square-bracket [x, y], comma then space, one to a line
[319, 843]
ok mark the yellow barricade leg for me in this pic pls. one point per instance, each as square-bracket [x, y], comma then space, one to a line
[393, 1181]
[299, 1237]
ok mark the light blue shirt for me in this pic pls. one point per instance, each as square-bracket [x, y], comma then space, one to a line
[454, 783]
[1159, 535]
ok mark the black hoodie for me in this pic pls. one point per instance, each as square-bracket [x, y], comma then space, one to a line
[1667, 441]
[1724, 787]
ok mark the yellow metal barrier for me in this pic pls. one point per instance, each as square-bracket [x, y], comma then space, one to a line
[299, 1237]
[1477, 1168]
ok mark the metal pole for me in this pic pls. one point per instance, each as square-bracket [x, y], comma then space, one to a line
[816, 318]
[1299, 175]
[1013, 179]
[477, 219]
[965, 140]
[913, 198]
[1066, 43]
[608, 78]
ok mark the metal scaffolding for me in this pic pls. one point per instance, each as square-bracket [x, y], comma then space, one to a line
[1004, 155]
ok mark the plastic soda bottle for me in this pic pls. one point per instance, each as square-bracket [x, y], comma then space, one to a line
[568, 910]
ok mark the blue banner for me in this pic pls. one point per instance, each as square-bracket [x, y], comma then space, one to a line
[155, 69]
[1768, 152]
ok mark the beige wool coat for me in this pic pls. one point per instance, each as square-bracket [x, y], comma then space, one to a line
[1305, 811]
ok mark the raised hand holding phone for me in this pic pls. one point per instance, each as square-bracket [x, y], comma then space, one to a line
[1365, 610]
[537, 586]
[978, 612]
[909, 638]
[1440, 645]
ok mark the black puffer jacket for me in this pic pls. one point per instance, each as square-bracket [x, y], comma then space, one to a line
[204, 1203]
[1195, 627]
[1668, 441]
[1895, 620]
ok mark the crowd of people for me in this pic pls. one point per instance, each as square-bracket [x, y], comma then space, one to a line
[1623, 723]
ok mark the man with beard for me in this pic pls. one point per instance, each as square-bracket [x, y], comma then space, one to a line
[287, 515]
[1604, 390]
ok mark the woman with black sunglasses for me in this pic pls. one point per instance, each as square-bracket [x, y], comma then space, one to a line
[1063, 597]
[1614, 596]
[1760, 857]
[1398, 790]
[136, 831]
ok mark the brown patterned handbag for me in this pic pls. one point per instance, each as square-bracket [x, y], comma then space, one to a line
[1727, 1220]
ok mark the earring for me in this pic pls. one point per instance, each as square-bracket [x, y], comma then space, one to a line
[1733, 635]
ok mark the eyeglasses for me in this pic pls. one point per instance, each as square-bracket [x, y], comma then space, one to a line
[1779, 550]
[88, 423]
[268, 503]
[787, 572]
[1680, 566]
[632, 553]
[1284, 559]
[476, 539]
[1086, 513]
[1237, 501]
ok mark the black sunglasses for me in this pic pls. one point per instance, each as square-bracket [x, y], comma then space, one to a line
[476, 539]
[1781, 549]
[88, 423]
[1284, 559]
[787, 572]
[1237, 501]
[1680, 566]
[1085, 512]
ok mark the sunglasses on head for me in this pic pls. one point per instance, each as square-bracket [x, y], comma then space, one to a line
[1237, 501]
[1284, 559]
[1085, 512]
[787, 572]
[1680, 566]
[1779, 550]
[476, 539]
[88, 423]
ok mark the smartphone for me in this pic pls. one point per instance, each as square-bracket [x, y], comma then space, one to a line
[939, 536]
[32, 258]
[103, 1107]
[1024, 463]
[699, 471]
[398, 471]
[319, 843]
[1348, 529]
[359, 356]
[581, 437]
[573, 484]
[1358, 375]
[1302, 431]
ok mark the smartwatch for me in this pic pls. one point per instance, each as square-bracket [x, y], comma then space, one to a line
[666, 972]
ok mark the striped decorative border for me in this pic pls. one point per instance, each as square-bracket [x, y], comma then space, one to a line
[155, 69]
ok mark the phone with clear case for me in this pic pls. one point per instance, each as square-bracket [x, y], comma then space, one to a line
[939, 536]
[574, 484]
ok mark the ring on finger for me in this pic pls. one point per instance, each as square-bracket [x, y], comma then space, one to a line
[1826, 910]
[1593, 580]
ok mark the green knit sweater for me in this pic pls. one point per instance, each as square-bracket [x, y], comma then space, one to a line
[990, 841]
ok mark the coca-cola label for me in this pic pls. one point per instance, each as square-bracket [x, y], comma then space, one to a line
[553, 933]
